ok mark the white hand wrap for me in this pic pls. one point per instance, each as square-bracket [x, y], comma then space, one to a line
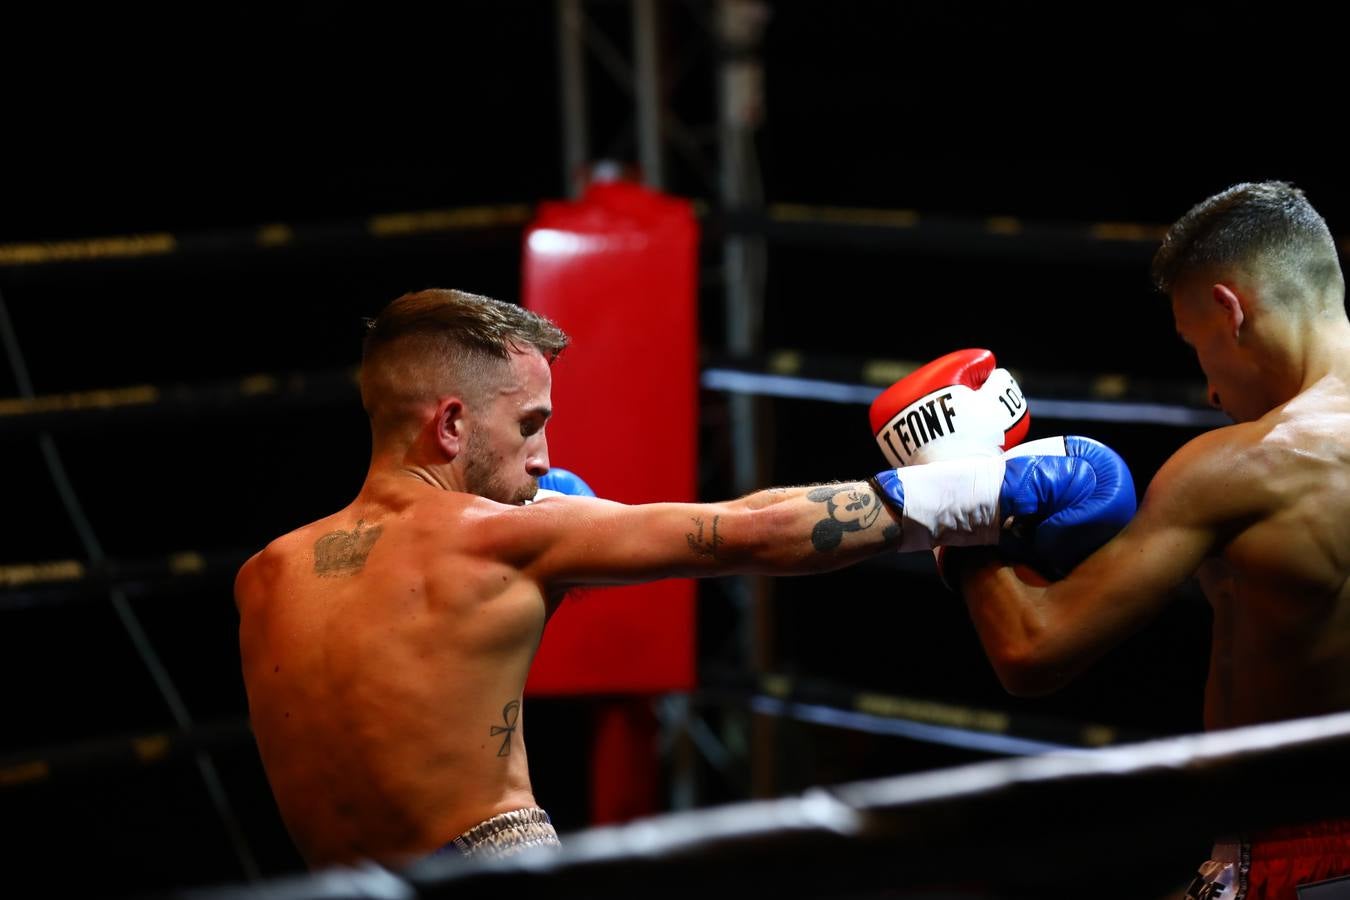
[544, 494]
[952, 502]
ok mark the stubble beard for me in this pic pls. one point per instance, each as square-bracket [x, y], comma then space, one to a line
[483, 476]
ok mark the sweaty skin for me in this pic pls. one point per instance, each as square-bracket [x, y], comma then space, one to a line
[385, 648]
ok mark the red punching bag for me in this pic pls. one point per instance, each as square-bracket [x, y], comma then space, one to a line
[618, 271]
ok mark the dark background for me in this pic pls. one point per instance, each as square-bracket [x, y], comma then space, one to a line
[196, 120]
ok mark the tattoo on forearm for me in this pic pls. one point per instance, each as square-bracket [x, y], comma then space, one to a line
[701, 546]
[848, 507]
[510, 713]
[344, 552]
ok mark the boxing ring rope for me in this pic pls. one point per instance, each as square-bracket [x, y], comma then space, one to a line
[789, 223]
[826, 702]
[503, 222]
[1116, 822]
[796, 388]
[248, 395]
[106, 756]
[1109, 398]
[63, 582]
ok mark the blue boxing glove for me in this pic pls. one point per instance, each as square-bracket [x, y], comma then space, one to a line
[559, 482]
[1067, 496]
[1077, 489]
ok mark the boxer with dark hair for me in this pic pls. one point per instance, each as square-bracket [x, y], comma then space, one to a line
[1259, 511]
[385, 648]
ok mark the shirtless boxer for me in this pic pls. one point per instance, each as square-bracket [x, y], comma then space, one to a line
[1259, 511]
[385, 648]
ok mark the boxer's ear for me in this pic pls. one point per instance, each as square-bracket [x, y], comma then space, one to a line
[449, 426]
[1231, 304]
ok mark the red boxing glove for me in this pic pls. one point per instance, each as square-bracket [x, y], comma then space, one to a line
[958, 405]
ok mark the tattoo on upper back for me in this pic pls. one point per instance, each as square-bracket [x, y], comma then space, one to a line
[344, 552]
[848, 507]
[702, 546]
[510, 713]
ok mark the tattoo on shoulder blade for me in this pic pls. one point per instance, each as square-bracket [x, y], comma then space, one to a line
[344, 552]
[510, 713]
[848, 507]
[704, 546]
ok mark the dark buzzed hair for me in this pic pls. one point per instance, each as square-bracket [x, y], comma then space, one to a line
[1268, 228]
[439, 339]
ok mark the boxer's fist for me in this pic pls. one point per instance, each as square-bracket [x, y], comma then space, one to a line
[1067, 496]
[559, 482]
[956, 406]
[1079, 490]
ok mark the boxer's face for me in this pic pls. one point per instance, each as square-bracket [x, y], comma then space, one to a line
[1203, 323]
[506, 451]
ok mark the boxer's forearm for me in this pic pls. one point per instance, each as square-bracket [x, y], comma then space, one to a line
[808, 529]
[1017, 624]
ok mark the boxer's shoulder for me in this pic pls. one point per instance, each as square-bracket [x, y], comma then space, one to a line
[261, 571]
[1220, 476]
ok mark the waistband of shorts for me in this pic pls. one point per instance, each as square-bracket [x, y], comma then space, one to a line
[530, 815]
[525, 827]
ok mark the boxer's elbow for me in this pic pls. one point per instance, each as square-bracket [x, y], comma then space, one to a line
[1022, 680]
[1032, 648]
[1028, 667]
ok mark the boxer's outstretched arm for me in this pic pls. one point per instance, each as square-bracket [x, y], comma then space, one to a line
[1040, 636]
[780, 531]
